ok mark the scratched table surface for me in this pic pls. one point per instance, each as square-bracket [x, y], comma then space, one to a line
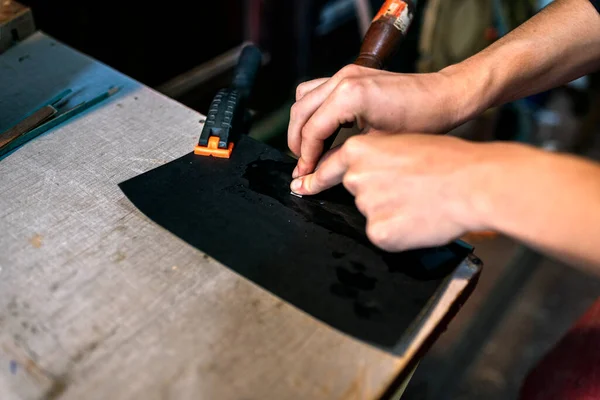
[98, 302]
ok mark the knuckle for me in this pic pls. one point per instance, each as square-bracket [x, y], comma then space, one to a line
[311, 129]
[318, 176]
[295, 112]
[349, 87]
[377, 234]
[353, 147]
[350, 69]
[350, 181]
[292, 145]
[362, 204]
[300, 90]
[305, 133]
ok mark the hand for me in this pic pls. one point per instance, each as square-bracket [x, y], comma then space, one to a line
[375, 100]
[414, 190]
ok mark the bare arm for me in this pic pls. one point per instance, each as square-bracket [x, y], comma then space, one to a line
[559, 44]
[550, 202]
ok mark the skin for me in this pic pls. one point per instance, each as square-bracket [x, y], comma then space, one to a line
[420, 190]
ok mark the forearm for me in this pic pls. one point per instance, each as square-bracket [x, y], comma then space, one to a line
[550, 202]
[559, 44]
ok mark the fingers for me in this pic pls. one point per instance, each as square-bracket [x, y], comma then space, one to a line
[325, 156]
[380, 233]
[310, 96]
[309, 86]
[342, 106]
[303, 109]
[330, 173]
[333, 167]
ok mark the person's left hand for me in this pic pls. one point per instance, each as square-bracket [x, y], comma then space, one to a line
[414, 190]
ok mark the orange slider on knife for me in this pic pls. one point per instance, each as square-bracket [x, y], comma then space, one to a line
[213, 149]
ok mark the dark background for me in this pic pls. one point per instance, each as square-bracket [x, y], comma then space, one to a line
[154, 43]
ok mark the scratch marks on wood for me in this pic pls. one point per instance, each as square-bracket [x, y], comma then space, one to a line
[36, 240]
[54, 385]
[85, 351]
[129, 282]
[58, 387]
[89, 348]
[19, 310]
[126, 205]
[54, 286]
[119, 256]
[303, 345]
[39, 373]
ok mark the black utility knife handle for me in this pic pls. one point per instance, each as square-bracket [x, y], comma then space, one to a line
[228, 108]
[246, 70]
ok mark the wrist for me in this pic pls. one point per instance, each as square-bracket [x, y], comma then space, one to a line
[465, 89]
[487, 79]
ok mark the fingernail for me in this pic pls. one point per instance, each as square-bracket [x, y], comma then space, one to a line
[295, 173]
[296, 184]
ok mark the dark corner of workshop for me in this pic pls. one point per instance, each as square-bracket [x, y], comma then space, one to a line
[179, 221]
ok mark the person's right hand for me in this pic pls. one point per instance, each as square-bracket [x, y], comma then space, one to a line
[377, 101]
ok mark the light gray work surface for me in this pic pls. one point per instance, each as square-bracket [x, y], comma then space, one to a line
[98, 302]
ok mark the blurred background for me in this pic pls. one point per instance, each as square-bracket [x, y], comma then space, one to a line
[186, 50]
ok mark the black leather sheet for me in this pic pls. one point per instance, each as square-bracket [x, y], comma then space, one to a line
[312, 252]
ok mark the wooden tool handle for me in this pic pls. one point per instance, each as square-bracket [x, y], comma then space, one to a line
[387, 30]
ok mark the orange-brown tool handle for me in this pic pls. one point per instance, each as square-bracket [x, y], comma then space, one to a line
[387, 30]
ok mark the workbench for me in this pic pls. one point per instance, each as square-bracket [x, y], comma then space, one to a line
[98, 302]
